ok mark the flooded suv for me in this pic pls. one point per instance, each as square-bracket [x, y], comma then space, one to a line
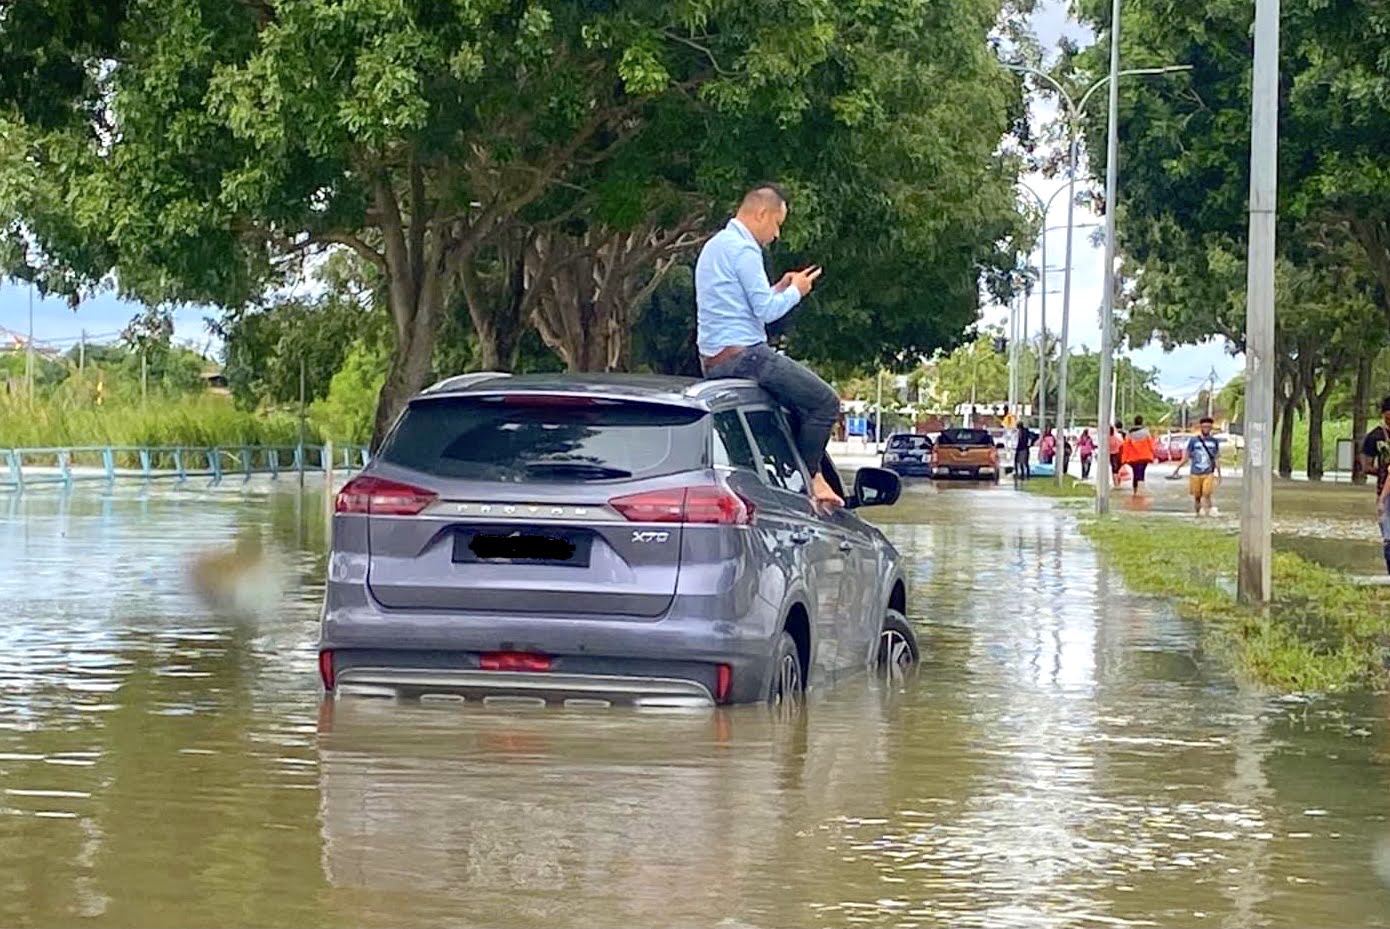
[599, 540]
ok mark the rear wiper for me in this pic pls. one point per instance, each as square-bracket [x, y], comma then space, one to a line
[576, 469]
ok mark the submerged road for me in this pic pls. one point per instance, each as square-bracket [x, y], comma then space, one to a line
[1067, 755]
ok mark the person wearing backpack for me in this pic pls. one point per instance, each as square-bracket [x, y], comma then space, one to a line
[1203, 461]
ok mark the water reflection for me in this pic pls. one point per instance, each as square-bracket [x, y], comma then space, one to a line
[1067, 756]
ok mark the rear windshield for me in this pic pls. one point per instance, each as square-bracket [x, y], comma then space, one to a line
[965, 437]
[557, 439]
[909, 441]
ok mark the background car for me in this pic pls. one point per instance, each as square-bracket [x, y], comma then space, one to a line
[1171, 447]
[969, 453]
[908, 454]
[599, 540]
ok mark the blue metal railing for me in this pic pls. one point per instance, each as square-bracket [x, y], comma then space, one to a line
[26, 467]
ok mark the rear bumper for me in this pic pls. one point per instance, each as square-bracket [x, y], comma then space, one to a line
[981, 472]
[412, 653]
[909, 468]
[487, 687]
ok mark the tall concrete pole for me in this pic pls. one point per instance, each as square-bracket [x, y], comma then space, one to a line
[1042, 340]
[29, 350]
[1253, 580]
[1066, 305]
[1107, 313]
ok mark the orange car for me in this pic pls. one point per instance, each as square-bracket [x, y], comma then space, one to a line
[969, 453]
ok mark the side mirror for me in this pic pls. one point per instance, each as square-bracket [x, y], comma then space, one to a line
[876, 487]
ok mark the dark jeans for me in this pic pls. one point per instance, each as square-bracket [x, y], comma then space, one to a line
[1023, 468]
[1085, 467]
[813, 403]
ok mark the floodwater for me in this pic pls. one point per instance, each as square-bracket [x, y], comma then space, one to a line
[1066, 757]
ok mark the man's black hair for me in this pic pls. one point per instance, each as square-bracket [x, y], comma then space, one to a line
[1138, 420]
[1385, 404]
[1205, 419]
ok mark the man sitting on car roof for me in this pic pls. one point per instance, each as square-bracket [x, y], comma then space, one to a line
[735, 302]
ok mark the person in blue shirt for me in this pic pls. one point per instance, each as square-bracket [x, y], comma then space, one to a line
[1203, 461]
[735, 301]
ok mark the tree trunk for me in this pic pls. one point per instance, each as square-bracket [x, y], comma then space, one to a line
[418, 287]
[1359, 415]
[591, 289]
[1288, 411]
[1317, 404]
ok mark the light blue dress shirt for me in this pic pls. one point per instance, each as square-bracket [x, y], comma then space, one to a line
[733, 297]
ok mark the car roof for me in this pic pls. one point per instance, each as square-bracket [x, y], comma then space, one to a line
[653, 388]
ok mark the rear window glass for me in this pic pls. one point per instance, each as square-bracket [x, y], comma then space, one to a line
[909, 441]
[561, 439]
[965, 437]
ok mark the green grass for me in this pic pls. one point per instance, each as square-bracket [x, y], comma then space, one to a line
[1071, 488]
[194, 420]
[1321, 633]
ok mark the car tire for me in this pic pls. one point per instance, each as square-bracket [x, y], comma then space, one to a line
[897, 645]
[786, 684]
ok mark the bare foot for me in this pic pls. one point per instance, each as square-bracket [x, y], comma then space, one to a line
[822, 496]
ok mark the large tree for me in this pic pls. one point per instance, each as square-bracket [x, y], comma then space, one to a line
[198, 150]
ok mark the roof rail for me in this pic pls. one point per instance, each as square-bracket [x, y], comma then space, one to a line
[460, 381]
[718, 383]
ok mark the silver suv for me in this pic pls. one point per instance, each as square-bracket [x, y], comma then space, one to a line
[591, 540]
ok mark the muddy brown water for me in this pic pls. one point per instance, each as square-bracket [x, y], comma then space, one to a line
[1065, 757]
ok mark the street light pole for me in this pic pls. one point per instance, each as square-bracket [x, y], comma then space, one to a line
[1253, 579]
[1066, 304]
[1074, 111]
[1107, 320]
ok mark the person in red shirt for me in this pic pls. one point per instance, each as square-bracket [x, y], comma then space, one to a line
[1117, 441]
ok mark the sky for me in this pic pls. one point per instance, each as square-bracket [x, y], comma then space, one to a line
[1181, 372]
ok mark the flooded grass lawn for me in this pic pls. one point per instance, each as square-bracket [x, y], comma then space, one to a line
[1067, 755]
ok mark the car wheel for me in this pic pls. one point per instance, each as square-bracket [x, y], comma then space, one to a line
[787, 686]
[897, 645]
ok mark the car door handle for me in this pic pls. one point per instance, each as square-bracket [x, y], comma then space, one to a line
[802, 536]
[846, 545]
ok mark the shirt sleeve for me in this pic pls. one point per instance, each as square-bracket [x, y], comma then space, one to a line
[1370, 446]
[767, 306]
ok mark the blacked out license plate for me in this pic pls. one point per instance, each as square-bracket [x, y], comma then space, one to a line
[523, 545]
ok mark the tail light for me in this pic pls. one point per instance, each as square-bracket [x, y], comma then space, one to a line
[380, 497]
[704, 505]
[994, 456]
[723, 683]
[326, 668]
[514, 661]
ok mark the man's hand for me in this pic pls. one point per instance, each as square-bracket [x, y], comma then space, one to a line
[804, 279]
[784, 283]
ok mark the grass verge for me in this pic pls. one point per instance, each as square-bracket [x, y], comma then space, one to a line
[194, 421]
[1321, 633]
[1071, 488]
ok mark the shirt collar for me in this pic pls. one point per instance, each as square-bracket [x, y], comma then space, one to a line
[742, 230]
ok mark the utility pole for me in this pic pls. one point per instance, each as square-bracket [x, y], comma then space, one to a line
[82, 353]
[29, 349]
[1042, 341]
[144, 377]
[300, 456]
[1107, 313]
[878, 414]
[1211, 393]
[1253, 579]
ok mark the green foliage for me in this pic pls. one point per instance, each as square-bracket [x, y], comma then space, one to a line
[420, 135]
[198, 421]
[265, 346]
[345, 414]
[1322, 633]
